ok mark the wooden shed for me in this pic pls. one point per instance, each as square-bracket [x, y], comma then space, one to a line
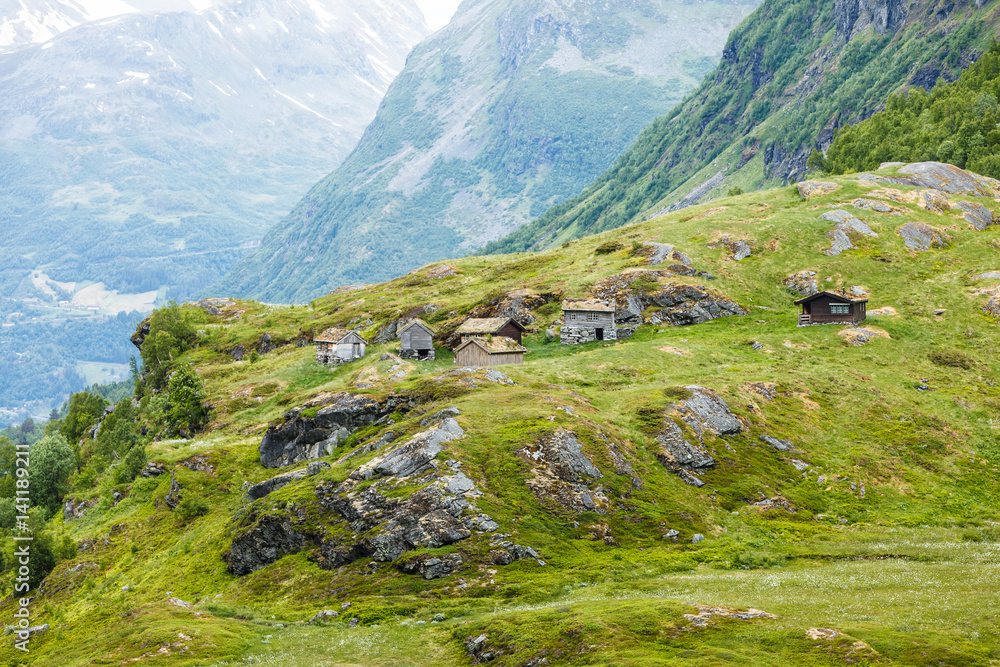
[338, 346]
[416, 341]
[832, 308]
[489, 352]
[586, 320]
[490, 326]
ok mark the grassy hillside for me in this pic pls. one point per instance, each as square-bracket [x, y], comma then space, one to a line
[874, 542]
[791, 74]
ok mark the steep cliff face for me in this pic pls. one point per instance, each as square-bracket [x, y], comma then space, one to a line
[513, 107]
[791, 74]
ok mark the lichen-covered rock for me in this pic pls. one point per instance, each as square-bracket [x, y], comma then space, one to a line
[680, 456]
[302, 438]
[741, 250]
[141, 332]
[944, 177]
[386, 528]
[682, 305]
[858, 336]
[440, 416]
[74, 509]
[846, 225]
[562, 473]
[517, 304]
[153, 469]
[992, 306]
[989, 275]
[803, 283]
[173, 497]
[270, 538]
[658, 253]
[413, 456]
[780, 445]
[978, 216]
[810, 189]
[872, 205]
[705, 410]
[261, 489]
[433, 567]
[921, 237]
[933, 201]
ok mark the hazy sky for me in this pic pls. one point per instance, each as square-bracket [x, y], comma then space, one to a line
[438, 12]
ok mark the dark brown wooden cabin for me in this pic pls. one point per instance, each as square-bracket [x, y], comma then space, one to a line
[832, 308]
[505, 327]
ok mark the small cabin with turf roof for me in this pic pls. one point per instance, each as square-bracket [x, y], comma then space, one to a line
[832, 308]
[338, 346]
[480, 327]
[416, 341]
[587, 320]
[483, 352]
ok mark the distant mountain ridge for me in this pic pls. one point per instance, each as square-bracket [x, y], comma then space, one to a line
[512, 107]
[148, 151]
[791, 74]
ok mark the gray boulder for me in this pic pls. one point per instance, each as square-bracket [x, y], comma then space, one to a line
[846, 224]
[977, 215]
[459, 484]
[440, 416]
[921, 237]
[698, 537]
[302, 438]
[270, 538]
[802, 283]
[323, 616]
[684, 305]
[710, 411]
[413, 456]
[872, 205]
[780, 445]
[563, 452]
[810, 189]
[989, 275]
[741, 250]
[945, 177]
[494, 375]
[433, 567]
[258, 491]
[659, 252]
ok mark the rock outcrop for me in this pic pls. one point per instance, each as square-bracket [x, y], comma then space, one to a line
[262, 489]
[686, 424]
[802, 283]
[413, 456]
[517, 305]
[847, 225]
[810, 189]
[658, 253]
[270, 538]
[978, 216]
[944, 177]
[683, 305]
[302, 437]
[921, 237]
[562, 473]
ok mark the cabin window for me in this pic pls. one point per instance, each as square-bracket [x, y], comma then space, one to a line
[572, 316]
[840, 309]
[592, 317]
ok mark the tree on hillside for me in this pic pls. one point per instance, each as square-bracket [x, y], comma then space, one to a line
[169, 335]
[52, 461]
[187, 393]
[84, 409]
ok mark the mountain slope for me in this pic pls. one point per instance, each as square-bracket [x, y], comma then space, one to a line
[849, 474]
[146, 151]
[511, 108]
[791, 74]
[141, 156]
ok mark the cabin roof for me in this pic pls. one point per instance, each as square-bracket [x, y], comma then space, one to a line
[486, 325]
[589, 305]
[335, 335]
[839, 296]
[497, 345]
[417, 322]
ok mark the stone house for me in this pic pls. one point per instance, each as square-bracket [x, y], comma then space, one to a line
[586, 320]
[495, 351]
[505, 327]
[416, 341]
[338, 346]
[832, 308]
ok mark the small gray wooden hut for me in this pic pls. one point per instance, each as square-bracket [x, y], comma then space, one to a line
[416, 341]
[586, 320]
[495, 351]
[338, 346]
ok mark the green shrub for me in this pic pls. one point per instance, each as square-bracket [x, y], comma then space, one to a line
[608, 247]
[190, 508]
[951, 358]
